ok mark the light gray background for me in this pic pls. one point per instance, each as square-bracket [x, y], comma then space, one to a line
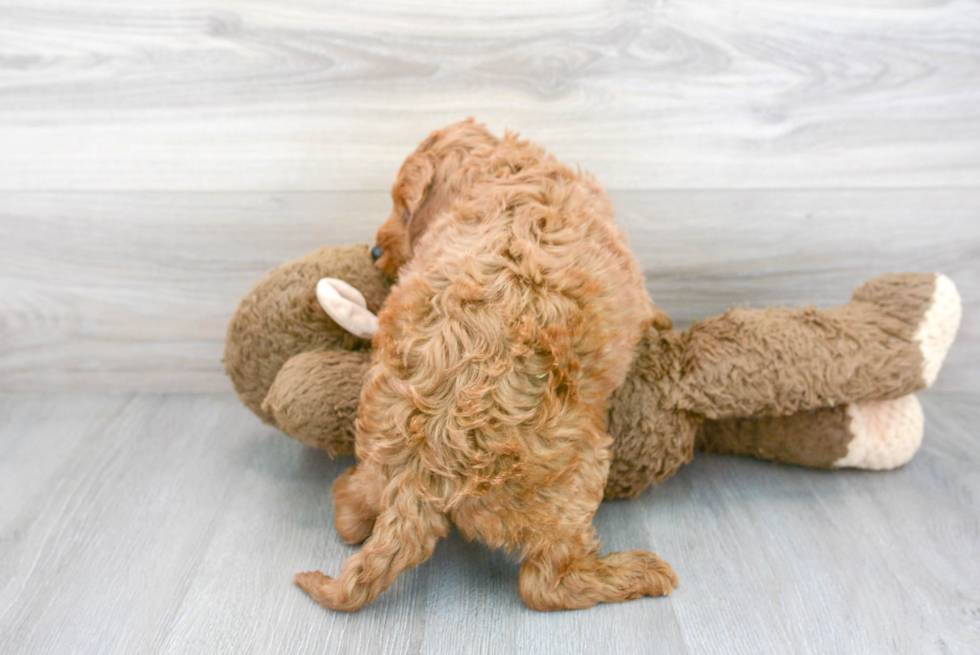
[156, 158]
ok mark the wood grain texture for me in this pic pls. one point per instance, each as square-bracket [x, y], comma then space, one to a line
[134, 291]
[158, 157]
[172, 524]
[316, 95]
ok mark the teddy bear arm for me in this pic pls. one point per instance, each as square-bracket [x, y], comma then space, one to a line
[281, 317]
[315, 395]
[815, 438]
[887, 342]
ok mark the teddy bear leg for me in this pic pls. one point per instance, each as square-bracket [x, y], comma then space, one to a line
[872, 434]
[314, 398]
[651, 439]
[888, 341]
[924, 307]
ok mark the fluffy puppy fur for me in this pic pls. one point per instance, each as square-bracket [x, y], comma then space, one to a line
[516, 312]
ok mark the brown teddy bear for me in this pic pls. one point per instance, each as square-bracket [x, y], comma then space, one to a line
[826, 388]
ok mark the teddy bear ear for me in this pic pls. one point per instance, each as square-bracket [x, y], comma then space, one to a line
[347, 307]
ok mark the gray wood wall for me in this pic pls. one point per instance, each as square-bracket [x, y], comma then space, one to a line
[156, 158]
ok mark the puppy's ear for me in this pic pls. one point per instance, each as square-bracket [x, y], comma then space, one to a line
[661, 320]
[416, 179]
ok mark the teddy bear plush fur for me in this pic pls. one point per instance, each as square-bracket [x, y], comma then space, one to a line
[826, 388]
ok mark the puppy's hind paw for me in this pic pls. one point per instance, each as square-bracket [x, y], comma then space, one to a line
[658, 578]
[317, 585]
[331, 592]
[661, 579]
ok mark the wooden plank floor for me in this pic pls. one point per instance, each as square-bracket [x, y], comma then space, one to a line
[173, 523]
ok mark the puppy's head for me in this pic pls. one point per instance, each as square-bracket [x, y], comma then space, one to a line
[428, 183]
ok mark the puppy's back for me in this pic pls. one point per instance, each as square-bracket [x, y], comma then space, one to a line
[520, 303]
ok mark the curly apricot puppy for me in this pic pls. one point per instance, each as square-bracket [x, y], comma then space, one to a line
[517, 309]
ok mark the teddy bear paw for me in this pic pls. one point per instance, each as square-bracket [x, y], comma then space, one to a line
[938, 327]
[886, 433]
